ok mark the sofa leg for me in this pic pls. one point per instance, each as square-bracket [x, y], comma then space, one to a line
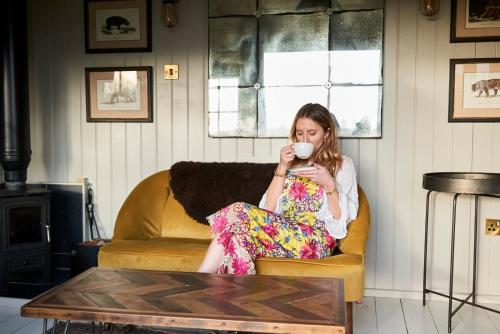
[348, 317]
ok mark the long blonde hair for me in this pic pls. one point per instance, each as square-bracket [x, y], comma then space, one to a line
[329, 154]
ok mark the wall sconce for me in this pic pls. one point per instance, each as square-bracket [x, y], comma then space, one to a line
[429, 8]
[169, 16]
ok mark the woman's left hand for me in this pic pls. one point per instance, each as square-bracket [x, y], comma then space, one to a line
[320, 175]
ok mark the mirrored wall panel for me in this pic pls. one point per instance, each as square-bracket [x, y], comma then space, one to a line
[267, 58]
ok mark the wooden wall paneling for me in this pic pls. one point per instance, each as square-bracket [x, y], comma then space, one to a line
[493, 287]
[263, 151]
[385, 148]
[228, 149]
[38, 38]
[462, 161]
[133, 139]
[73, 37]
[60, 89]
[276, 145]
[196, 79]
[425, 110]
[494, 244]
[103, 159]
[211, 151]
[104, 182]
[244, 149]
[404, 148]
[180, 123]
[482, 159]
[118, 150]
[367, 178]
[350, 148]
[162, 49]
[148, 130]
[440, 216]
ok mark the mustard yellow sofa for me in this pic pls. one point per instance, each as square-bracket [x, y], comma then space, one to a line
[153, 232]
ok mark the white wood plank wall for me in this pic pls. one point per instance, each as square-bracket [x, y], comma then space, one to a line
[417, 137]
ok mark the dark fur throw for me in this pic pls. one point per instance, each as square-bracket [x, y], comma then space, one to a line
[202, 188]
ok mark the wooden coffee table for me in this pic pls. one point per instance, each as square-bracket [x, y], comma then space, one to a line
[269, 304]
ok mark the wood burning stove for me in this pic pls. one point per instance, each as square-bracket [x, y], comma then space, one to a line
[25, 239]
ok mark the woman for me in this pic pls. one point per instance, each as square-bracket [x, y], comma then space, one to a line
[301, 214]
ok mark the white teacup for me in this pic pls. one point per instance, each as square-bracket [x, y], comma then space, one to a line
[303, 150]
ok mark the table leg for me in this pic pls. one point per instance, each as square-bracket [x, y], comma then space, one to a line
[54, 326]
[452, 259]
[348, 318]
[44, 327]
[425, 246]
[66, 328]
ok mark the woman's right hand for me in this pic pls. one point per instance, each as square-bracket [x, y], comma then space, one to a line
[287, 154]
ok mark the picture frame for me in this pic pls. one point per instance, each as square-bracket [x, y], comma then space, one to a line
[473, 21]
[117, 26]
[474, 90]
[119, 94]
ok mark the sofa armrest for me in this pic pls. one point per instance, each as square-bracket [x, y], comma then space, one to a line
[141, 215]
[358, 229]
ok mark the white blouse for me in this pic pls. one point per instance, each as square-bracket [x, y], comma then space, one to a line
[348, 195]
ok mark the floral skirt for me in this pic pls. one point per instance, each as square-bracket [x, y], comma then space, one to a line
[247, 232]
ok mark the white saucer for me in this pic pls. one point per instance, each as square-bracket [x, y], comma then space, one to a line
[302, 169]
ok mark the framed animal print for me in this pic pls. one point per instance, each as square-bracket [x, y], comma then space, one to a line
[475, 21]
[119, 94]
[117, 26]
[474, 90]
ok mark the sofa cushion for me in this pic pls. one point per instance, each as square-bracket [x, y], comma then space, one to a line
[140, 217]
[177, 224]
[173, 254]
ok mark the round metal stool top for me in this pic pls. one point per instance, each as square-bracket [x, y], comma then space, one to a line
[466, 183]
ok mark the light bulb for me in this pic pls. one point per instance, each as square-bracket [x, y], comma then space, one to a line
[429, 8]
[169, 14]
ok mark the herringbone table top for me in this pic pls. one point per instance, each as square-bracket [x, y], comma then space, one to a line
[195, 300]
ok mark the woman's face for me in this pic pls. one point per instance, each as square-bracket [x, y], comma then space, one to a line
[309, 131]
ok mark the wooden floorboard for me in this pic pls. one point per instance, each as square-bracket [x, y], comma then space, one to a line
[495, 317]
[439, 312]
[366, 319]
[418, 318]
[476, 321]
[390, 317]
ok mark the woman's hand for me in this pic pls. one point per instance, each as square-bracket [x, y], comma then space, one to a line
[321, 176]
[287, 154]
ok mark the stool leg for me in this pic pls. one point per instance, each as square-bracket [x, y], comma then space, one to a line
[474, 264]
[452, 259]
[424, 290]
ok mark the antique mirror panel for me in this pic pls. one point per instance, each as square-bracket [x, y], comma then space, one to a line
[267, 58]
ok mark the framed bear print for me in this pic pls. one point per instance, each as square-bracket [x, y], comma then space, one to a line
[119, 94]
[117, 26]
[474, 90]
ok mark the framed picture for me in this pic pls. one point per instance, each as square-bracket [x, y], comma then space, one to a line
[474, 90]
[474, 21]
[117, 26]
[119, 94]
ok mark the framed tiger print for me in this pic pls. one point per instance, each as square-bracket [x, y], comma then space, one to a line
[474, 90]
[475, 21]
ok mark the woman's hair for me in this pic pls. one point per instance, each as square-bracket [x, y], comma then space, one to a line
[329, 153]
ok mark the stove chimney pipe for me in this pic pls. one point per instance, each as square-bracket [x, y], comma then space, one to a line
[15, 146]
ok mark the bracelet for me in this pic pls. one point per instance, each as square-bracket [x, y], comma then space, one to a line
[331, 192]
[277, 174]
